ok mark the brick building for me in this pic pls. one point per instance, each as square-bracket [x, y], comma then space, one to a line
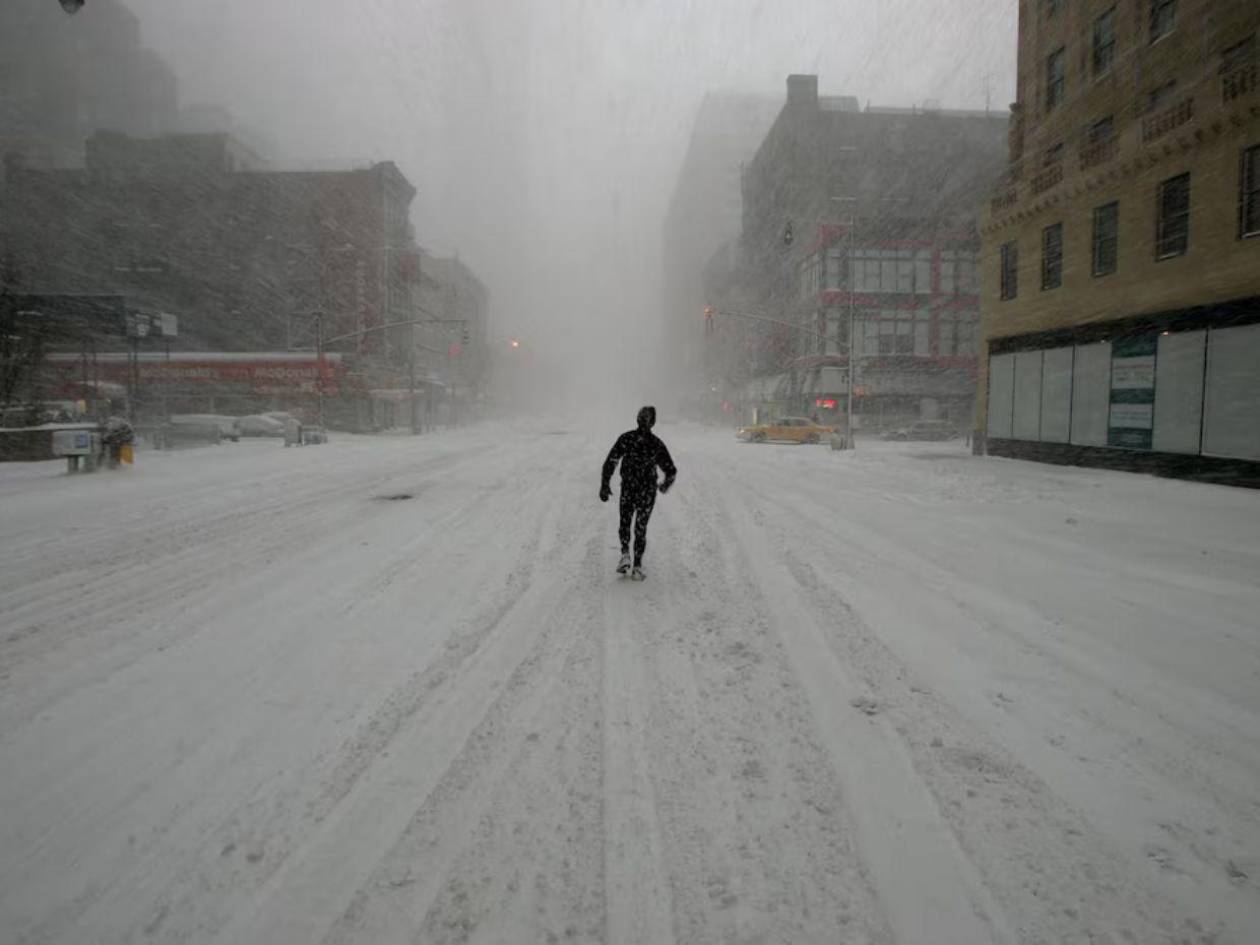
[455, 346]
[193, 224]
[866, 216]
[1121, 252]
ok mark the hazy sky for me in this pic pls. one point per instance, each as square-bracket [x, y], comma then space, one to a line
[544, 136]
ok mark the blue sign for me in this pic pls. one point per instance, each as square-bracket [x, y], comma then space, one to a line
[1132, 416]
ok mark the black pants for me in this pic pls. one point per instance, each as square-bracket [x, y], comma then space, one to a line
[636, 504]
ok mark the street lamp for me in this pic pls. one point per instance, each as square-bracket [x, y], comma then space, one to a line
[848, 400]
[319, 365]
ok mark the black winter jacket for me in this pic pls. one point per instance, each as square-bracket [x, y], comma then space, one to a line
[640, 452]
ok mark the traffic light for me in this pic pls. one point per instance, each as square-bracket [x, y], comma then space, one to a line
[463, 336]
[709, 312]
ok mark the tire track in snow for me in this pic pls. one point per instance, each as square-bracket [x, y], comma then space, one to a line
[930, 889]
[754, 837]
[190, 830]
[179, 566]
[505, 845]
[638, 906]
[306, 896]
[1115, 798]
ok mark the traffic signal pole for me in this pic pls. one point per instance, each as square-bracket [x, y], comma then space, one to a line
[321, 342]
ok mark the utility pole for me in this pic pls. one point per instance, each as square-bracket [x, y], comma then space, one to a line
[135, 379]
[852, 367]
[411, 382]
[319, 364]
[848, 400]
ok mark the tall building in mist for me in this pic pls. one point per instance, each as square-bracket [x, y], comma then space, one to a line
[478, 195]
[704, 212]
[64, 78]
[1121, 251]
[858, 249]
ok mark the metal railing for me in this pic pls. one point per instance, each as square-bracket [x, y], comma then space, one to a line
[1238, 82]
[1049, 177]
[1162, 122]
[1000, 202]
[1098, 152]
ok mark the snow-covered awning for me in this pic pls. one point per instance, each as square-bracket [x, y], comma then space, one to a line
[827, 379]
[766, 387]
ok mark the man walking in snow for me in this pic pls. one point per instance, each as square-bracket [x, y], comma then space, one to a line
[640, 452]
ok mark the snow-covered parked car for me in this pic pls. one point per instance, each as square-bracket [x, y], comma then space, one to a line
[187, 430]
[924, 430]
[226, 425]
[259, 425]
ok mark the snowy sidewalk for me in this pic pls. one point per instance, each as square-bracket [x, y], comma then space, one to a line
[390, 690]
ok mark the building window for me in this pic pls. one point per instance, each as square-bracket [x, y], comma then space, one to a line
[1106, 238]
[957, 338]
[1104, 42]
[1239, 56]
[958, 273]
[886, 270]
[1172, 229]
[923, 272]
[1238, 69]
[1052, 154]
[1249, 198]
[1010, 271]
[1101, 130]
[1163, 17]
[837, 263]
[809, 278]
[1054, 78]
[1052, 256]
[1160, 94]
[1098, 145]
[896, 332]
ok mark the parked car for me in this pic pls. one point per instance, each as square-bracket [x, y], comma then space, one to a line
[924, 430]
[259, 425]
[226, 424]
[282, 415]
[786, 429]
[51, 411]
[314, 435]
[188, 431]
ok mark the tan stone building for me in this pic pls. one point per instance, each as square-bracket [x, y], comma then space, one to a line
[1120, 289]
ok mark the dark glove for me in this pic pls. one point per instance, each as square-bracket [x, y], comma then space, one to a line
[604, 493]
[664, 486]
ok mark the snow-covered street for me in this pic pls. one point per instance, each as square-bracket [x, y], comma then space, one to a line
[390, 689]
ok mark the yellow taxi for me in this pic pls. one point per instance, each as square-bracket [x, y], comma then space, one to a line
[786, 430]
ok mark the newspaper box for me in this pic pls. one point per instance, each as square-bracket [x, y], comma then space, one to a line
[80, 447]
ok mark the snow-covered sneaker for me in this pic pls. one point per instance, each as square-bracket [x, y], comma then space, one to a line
[636, 574]
[624, 564]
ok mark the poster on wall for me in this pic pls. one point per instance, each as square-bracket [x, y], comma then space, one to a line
[1131, 419]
